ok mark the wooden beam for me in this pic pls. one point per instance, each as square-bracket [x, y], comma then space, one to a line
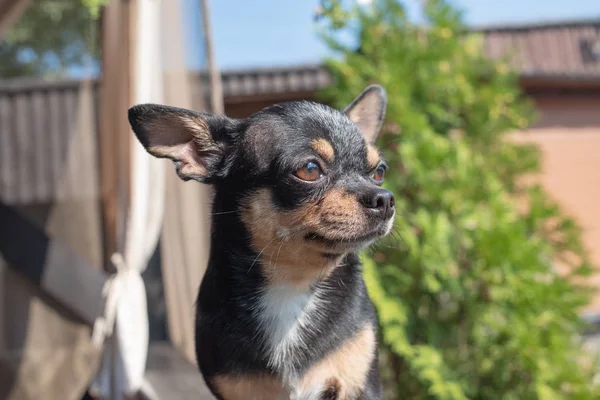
[52, 266]
[115, 95]
[216, 86]
[10, 11]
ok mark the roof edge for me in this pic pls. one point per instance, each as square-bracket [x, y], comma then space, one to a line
[271, 70]
[542, 24]
[33, 83]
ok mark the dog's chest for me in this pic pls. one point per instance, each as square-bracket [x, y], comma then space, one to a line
[288, 318]
[291, 323]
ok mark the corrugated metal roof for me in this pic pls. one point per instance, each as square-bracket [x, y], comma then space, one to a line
[46, 129]
[256, 81]
[548, 49]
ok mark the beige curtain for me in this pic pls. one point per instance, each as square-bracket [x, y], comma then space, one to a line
[125, 355]
[185, 235]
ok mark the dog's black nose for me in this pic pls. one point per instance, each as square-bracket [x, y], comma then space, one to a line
[379, 201]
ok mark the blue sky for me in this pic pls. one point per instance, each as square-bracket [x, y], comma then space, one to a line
[249, 33]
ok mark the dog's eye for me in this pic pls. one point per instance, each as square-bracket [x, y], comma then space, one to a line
[310, 172]
[379, 174]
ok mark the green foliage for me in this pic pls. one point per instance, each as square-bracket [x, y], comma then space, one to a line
[470, 302]
[94, 6]
[50, 36]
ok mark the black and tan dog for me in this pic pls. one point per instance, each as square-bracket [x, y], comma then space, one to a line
[282, 311]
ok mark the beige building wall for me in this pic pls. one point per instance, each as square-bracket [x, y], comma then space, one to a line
[568, 133]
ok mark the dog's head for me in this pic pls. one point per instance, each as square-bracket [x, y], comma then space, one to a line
[306, 178]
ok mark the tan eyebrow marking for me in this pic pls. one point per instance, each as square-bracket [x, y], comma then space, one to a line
[324, 148]
[373, 157]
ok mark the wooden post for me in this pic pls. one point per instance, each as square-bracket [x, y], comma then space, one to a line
[10, 11]
[115, 94]
[115, 99]
[216, 87]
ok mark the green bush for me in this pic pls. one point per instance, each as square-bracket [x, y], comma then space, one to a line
[470, 302]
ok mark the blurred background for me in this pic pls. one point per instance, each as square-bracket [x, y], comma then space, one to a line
[488, 290]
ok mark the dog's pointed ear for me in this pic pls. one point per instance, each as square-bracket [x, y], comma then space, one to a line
[196, 142]
[368, 111]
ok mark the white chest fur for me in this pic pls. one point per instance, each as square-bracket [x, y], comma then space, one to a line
[286, 313]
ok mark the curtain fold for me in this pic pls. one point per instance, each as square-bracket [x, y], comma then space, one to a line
[124, 361]
[185, 236]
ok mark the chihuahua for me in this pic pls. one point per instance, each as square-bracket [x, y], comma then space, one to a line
[282, 311]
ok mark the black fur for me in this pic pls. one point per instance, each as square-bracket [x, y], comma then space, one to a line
[263, 151]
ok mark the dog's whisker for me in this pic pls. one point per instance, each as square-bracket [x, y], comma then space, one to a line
[284, 237]
[225, 212]
[273, 252]
[259, 254]
[280, 246]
